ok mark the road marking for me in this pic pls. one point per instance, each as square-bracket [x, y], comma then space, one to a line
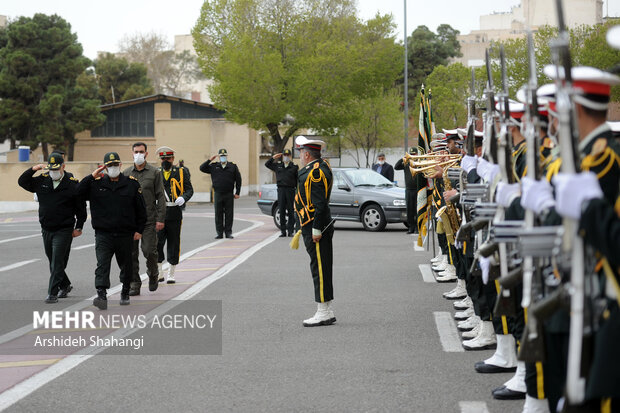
[448, 335]
[427, 274]
[18, 238]
[211, 257]
[416, 247]
[27, 363]
[473, 407]
[18, 264]
[26, 387]
[81, 247]
[197, 269]
[8, 220]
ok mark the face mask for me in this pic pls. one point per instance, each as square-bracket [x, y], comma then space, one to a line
[114, 171]
[55, 175]
[138, 158]
[166, 165]
[381, 162]
[286, 159]
[222, 159]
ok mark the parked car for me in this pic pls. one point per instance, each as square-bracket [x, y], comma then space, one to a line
[360, 195]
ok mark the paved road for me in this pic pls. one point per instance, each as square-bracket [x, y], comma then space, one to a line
[384, 353]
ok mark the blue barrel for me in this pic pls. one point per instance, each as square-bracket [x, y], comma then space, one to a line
[24, 153]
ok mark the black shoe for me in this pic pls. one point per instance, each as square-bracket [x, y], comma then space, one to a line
[229, 235]
[51, 299]
[411, 232]
[135, 290]
[506, 394]
[282, 235]
[482, 367]
[125, 299]
[63, 292]
[101, 301]
[154, 283]
[219, 236]
[291, 234]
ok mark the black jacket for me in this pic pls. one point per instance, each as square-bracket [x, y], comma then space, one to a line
[386, 170]
[115, 207]
[286, 176]
[225, 180]
[175, 213]
[412, 182]
[316, 209]
[59, 208]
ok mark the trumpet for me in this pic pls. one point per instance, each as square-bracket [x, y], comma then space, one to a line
[427, 164]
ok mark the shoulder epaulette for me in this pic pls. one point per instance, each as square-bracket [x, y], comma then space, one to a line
[73, 178]
[131, 177]
[45, 174]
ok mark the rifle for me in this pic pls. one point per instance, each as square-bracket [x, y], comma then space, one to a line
[471, 116]
[572, 243]
[490, 131]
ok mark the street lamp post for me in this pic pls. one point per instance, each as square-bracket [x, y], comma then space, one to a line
[406, 84]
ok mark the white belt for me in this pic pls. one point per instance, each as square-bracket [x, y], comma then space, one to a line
[170, 204]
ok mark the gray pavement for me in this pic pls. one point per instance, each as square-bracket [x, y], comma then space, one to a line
[383, 354]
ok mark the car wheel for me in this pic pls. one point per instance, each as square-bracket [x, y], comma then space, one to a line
[275, 212]
[373, 218]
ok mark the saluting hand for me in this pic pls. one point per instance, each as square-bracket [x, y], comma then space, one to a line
[277, 156]
[39, 167]
[137, 236]
[213, 158]
[98, 171]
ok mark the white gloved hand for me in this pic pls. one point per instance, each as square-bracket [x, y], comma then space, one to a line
[572, 190]
[506, 193]
[536, 195]
[485, 264]
[491, 172]
[468, 163]
[179, 201]
[482, 167]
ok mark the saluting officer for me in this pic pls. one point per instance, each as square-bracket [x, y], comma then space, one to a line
[118, 216]
[225, 178]
[177, 191]
[151, 182]
[314, 188]
[286, 178]
[411, 191]
[62, 213]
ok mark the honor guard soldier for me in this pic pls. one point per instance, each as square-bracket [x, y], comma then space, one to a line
[62, 213]
[177, 191]
[286, 178]
[151, 182]
[314, 188]
[411, 191]
[118, 218]
[225, 178]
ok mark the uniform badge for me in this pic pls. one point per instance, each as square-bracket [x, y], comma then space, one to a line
[599, 146]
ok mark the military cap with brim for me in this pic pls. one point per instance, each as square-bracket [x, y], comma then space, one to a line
[165, 152]
[286, 152]
[54, 161]
[222, 152]
[313, 144]
[451, 134]
[111, 157]
[413, 150]
[593, 85]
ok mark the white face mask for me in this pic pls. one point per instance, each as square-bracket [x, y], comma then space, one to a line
[55, 175]
[114, 171]
[286, 159]
[222, 159]
[380, 162]
[138, 158]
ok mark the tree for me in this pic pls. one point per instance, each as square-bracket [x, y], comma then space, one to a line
[119, 80]
[377, 120]
[170, 73]
[449, 86]
[41, 101]
[305, 61]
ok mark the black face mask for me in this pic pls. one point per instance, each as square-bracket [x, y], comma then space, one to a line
[166, 165]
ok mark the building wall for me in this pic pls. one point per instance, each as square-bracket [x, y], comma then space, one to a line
[184, 42]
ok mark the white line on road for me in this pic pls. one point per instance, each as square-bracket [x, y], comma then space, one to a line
[416, 247]
[81, 247]
[448, 335]
[427, 273]
[17, 265]
[473, 407]
[18, 238]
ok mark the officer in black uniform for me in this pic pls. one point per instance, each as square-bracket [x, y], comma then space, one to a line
[225, 178]
[177, 190]
[411, 191]
[118, 215]
[314, 188]
[286, 178]
[62, 213]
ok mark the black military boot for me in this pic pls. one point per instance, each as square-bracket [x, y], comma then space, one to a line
[101, 301]
[65, 291]
[125, 296]
[153, 283]
[135, 289]
[51, 299]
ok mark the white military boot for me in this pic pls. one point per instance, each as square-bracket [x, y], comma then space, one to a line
[485, 339]
[534, 405]
[438, 258]
[514, 388]
[324, 316]
[441, 265]
[468, 324]
[160, 271]
[458, 292]
[463, 304]
[504, 360]
[170, 279]
[447, 275]
[473, 333]
[465, 314]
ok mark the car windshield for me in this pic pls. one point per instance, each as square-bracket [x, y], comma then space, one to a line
[367, 177]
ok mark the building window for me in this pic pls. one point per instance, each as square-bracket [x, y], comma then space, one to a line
[129, 121]
[182, 110]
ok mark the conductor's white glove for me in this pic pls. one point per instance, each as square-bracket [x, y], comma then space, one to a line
[485, 264]
[572, 190]
[536, 195]
[179, 201]
[468, 163]
[506, 193]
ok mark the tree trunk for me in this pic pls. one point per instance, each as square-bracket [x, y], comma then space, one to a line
[45, 151]
[70, 145]
[13, 145]
[279, 141]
